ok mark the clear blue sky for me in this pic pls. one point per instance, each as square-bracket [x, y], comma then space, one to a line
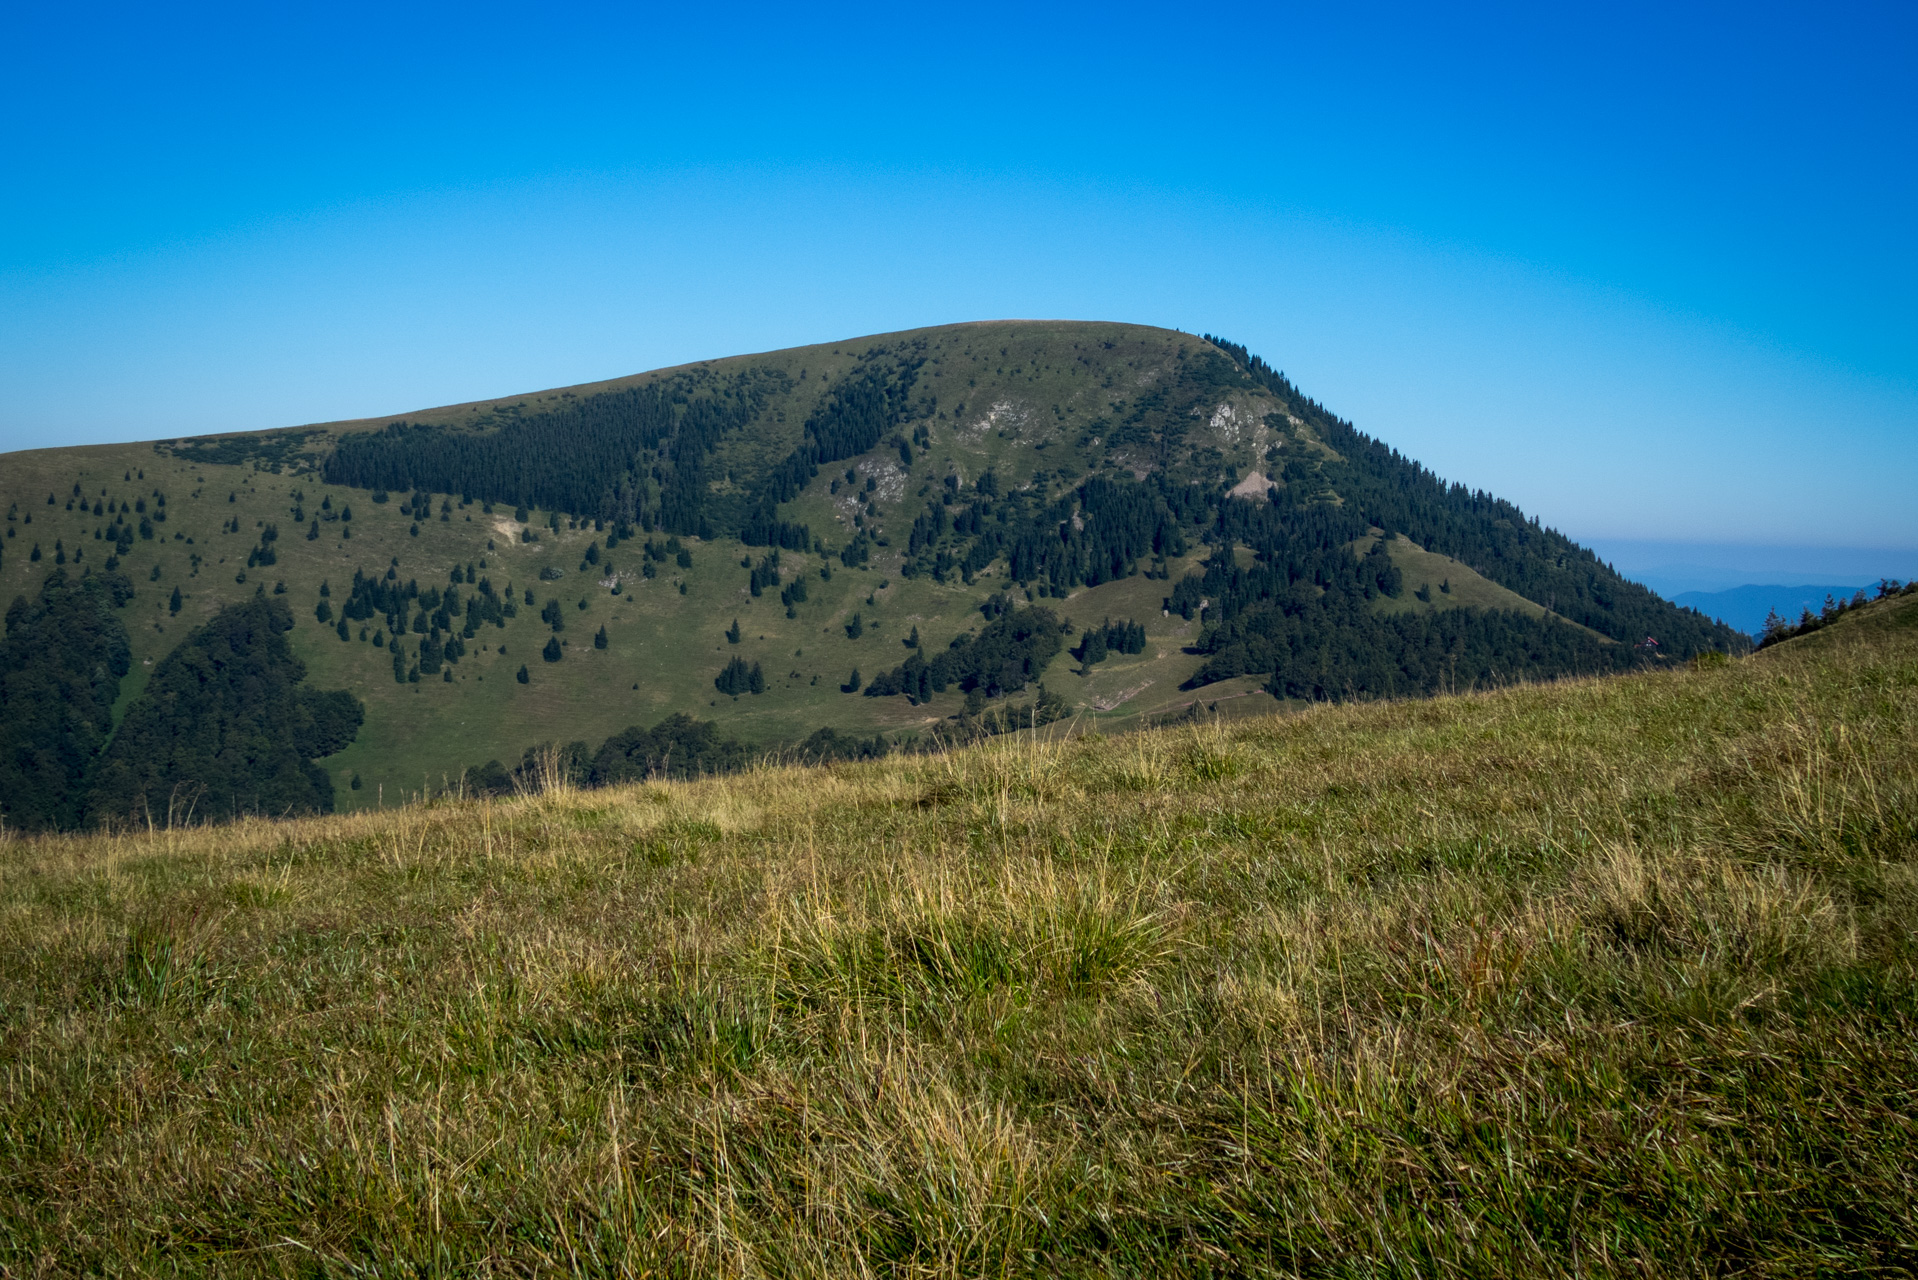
[1648, 271]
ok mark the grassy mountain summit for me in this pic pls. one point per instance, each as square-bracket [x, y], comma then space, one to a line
[827, 537]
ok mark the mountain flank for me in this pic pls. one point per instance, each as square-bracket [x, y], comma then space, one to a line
[903, 539]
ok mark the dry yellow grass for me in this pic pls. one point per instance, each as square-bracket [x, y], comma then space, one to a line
[1602, 977]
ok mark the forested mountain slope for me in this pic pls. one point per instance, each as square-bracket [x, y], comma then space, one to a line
[900, 536]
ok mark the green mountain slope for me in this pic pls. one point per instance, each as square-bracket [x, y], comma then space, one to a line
[1101, 471]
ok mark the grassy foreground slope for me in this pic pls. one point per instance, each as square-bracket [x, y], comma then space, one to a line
[1611, 976]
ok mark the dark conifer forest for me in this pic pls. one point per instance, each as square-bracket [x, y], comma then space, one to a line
[60, 668]
[635, 457]
[1008, 653]
[226, 727]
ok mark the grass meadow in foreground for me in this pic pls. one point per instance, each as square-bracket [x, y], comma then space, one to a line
[1606, 977]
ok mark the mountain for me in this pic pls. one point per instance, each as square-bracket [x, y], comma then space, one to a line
[900, 536]
[1747, 607]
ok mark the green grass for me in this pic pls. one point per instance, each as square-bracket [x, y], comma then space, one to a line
[1608, 977]
[1433, 573]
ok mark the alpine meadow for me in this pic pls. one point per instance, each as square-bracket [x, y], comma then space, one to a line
[1016, 798]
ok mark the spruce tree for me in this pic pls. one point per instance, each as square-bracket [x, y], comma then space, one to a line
[735, 678]
[552, 650]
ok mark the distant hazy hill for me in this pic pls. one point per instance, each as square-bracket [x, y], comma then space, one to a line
[892, 538]
[1745, 608]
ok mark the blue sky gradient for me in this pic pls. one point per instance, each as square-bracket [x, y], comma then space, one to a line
[1647, 273]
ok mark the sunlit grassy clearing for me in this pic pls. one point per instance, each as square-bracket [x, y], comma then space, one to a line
[1605, 976]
